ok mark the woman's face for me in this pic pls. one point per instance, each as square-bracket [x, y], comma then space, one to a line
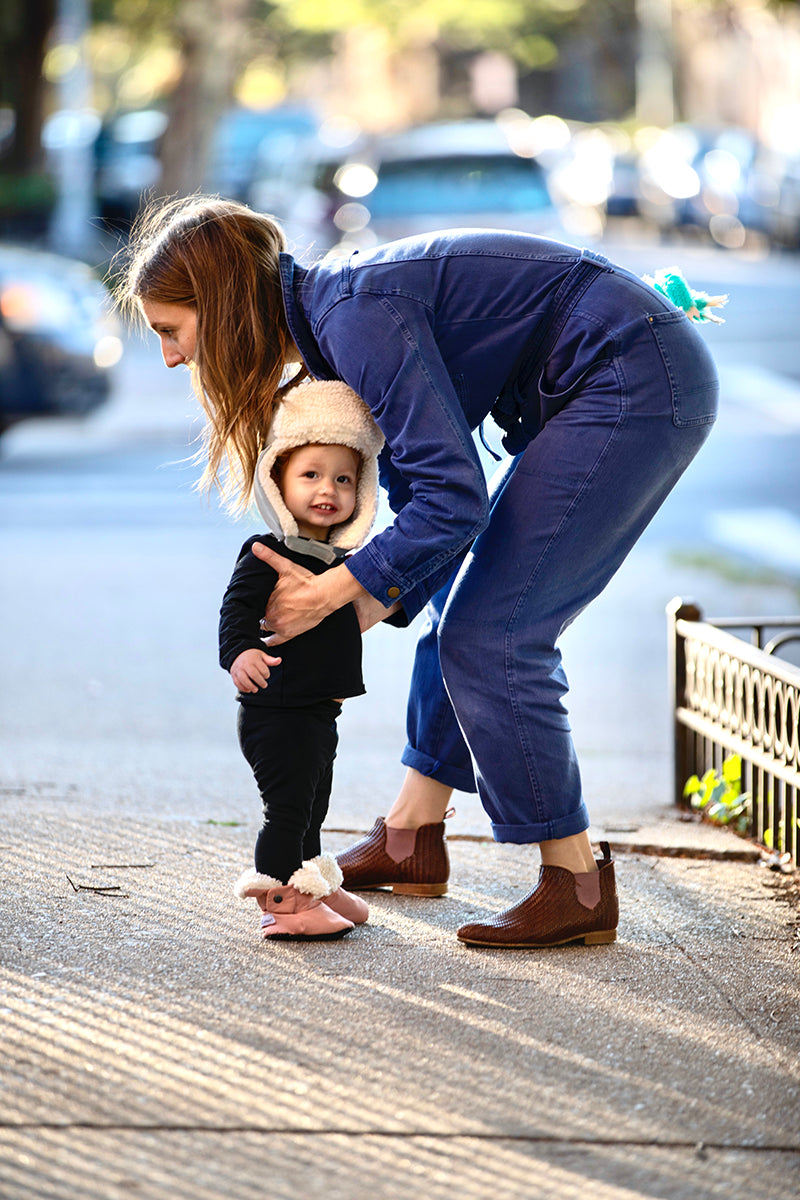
[176, 327]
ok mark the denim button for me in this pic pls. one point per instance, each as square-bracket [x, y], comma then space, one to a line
[277, 899]
[393, 592]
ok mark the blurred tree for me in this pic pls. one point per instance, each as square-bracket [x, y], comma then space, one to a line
[573, 56]
[24, 26]
[25, 194]
[212, 43]
[213, 40]
[519, 28]
[388, 62]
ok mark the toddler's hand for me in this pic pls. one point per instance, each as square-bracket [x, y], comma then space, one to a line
[250, 671]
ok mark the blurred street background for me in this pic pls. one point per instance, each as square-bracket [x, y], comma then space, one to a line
[657, 132]
[151, 1042]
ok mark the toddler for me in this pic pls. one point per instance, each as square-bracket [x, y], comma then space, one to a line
[316, 486]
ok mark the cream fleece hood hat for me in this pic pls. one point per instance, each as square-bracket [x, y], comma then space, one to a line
[325, 413]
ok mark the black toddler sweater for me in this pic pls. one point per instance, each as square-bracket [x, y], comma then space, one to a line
[322, 664]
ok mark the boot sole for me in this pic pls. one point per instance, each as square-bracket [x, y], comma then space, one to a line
[306, 937]
[400, 889]
[598, 938]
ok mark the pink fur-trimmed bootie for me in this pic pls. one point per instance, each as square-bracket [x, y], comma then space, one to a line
[344, 903]
[294, 911]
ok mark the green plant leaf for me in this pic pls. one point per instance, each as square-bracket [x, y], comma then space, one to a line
[732, 769]
[730, 797]
[717, 792]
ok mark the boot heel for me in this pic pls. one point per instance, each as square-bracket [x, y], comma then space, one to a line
[419, 889]
[600, 937]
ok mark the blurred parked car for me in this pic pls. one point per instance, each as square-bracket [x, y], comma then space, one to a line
[784, 223]
[718, 181]
[58, 339]
[437, 176]
[454, 174]
[295, 184]
[127, 162]
[623, 187]
[248, 139]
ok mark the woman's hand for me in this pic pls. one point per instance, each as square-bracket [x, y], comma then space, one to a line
[297, 602]
[300, 599]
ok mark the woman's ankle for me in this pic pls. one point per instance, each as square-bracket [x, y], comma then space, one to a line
[573, 853]
[420, 801]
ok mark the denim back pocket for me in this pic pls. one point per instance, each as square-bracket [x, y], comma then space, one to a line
[689, 366]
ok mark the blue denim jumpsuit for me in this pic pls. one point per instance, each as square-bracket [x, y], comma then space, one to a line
[608, 392]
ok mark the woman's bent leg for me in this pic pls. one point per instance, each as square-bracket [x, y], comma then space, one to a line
[436, 754]
[436, 749]
[569, 512]
[407, 851]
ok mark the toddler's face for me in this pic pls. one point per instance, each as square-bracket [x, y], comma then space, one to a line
[318, 485]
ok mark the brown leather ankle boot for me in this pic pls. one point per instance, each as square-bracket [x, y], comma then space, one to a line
[411, 862]
[563, 907]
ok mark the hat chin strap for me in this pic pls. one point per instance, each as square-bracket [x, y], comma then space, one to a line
[314, 549]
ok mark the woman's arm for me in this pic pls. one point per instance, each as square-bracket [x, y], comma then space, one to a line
[370, 611]
[300, 599]
[385, 348]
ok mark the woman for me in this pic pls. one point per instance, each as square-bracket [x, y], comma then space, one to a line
[606, 393]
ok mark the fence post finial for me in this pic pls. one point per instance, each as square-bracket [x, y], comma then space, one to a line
[679, 609]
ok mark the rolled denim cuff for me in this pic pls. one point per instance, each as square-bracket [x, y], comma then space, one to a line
[523, 835]
[460, 778]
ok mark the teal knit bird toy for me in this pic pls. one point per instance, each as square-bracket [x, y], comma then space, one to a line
[670, 283]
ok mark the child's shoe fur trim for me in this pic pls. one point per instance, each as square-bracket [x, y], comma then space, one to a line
[314, 878]
[329, 869]
[251, 883]
[310, 880]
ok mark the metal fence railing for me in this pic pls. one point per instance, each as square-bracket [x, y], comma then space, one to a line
[736, 709]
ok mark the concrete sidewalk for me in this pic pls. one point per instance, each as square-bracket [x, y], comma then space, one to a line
[154, 1047]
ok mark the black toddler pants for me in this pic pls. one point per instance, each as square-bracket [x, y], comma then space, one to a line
[291, 753]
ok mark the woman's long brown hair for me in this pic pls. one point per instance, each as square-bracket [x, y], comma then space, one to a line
[220, 258]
